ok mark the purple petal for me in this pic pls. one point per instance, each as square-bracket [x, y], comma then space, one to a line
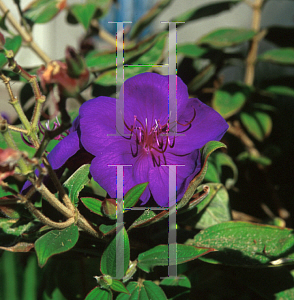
[64, 150]
[146, 96]
[97, 123]
[106, 175]
[208, 125]
[159, 176]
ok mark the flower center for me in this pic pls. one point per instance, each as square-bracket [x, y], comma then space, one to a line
[155, 140]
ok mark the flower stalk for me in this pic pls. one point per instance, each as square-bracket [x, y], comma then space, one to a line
[252, 54]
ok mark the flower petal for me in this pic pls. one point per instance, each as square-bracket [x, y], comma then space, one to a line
[146, 96]
[97, 123]
[208, 125]
[159, 176]
[104, 171]
[64, 150]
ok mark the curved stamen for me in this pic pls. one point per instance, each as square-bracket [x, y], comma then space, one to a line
[190, 120]
[134, 154]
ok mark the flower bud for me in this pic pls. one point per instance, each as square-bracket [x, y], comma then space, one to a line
[109, 208]
[8, 159]
[76, 65]
[104, 281]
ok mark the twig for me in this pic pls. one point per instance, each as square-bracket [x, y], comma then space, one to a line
[25, 200]
[252, 54]
[26, 37]
[14, 128]
[103, 34]
[236, 130]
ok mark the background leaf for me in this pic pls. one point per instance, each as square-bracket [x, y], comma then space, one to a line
[247, 244]
[205, 11]
[10, 44]
[230, 98]
[42, 11]
[227, 37]
[84, 13]
[284, 56]
[158, 256]
[148, 17]
[55, 242]
[257, 123]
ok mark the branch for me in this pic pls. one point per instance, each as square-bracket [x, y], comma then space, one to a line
[26, 37]
[252, 54]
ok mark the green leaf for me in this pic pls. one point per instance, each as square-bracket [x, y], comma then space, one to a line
[10, 44]
[109, 258]
[182, 281]
[146, 217]
[283, 56]
[217, 161]
[3, 21]
[84, 13]
[42, 11]
[263, 160]
[118, 286]
[151, 57]
[94, 205]
[154, 291]
[205, 153]
[281, 90]
[146, 291]
[148, 17]
[218, 209]
[258, 124]
[133, 289]
[158, 256]
[205, 11]
[107, 229]
[212, 174]
[191, 50]
[76, 182]
[98, 293]
[214, 207]
[227, 37]
[246, 244]
[13, 227]
[202, 77]
[101, 60]
[230, 98]
[55, 242]
[133, 195]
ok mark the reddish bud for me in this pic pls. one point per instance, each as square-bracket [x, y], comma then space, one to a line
[8, 159]
[109, 208]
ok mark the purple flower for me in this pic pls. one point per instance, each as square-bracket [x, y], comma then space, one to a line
[147, 148]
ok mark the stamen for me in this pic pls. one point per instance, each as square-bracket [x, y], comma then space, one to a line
[190, 120]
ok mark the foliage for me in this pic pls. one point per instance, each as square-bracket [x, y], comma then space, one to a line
[234, 229]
